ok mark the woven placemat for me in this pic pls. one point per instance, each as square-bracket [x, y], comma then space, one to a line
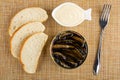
[11, 69]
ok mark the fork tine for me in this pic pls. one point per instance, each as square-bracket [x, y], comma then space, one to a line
[103, 11]
[107, 12]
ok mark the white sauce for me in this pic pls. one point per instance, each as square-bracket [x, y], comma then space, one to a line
[69, 14]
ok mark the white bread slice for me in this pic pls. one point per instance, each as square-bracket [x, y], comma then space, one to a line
[31, 51]
[21, 34]
[27, 15]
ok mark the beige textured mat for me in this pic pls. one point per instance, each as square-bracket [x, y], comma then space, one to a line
[11, 69]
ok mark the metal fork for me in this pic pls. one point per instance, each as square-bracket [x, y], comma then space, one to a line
[103, 22]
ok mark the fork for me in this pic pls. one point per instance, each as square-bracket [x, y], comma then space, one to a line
[104, 18]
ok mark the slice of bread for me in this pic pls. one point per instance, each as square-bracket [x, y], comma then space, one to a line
[21, 34]
[25, 16]
[31, 51]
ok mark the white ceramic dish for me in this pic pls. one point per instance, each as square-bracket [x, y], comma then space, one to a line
[69, 14]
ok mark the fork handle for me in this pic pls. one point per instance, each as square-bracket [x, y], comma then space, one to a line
[97, 59]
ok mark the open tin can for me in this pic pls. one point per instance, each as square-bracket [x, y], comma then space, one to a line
[68, 49]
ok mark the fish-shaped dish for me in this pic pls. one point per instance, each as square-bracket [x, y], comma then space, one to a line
[70, 14]
[68, 49]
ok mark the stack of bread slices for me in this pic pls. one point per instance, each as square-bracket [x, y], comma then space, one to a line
[27, 37]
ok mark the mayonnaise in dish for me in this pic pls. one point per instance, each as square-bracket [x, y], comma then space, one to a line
[69, 14]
